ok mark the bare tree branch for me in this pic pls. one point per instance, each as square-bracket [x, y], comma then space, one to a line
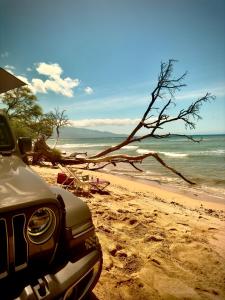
[166, 83]
[60, 120]
[123, 158]
[153, 120]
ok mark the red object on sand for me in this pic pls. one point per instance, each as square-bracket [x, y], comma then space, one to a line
[63, 179]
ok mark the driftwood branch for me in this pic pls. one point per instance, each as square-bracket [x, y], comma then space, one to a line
[123, 158]
[166, 85]
[153, 120]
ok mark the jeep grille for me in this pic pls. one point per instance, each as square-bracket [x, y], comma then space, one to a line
[13, 245]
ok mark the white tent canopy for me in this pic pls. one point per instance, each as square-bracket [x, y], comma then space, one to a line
[9, 81]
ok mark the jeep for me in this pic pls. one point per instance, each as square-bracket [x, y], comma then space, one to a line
[48, 246]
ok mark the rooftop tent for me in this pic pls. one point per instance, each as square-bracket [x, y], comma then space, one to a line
[8, 81]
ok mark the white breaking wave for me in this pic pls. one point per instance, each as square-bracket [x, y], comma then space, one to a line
[81, 145]
[93, 145]
[130, 147]
[170, 154]
[145, 151]
[217, 152]
[174, 154]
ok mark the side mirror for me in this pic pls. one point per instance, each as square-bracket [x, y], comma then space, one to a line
[25, 144]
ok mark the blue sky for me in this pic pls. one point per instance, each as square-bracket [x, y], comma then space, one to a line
[99, 59]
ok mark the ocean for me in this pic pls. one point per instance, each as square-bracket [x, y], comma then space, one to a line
[203, 163]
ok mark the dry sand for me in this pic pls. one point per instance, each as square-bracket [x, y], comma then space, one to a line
[156, 244]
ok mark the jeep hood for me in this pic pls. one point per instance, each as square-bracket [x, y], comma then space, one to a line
[19, 185]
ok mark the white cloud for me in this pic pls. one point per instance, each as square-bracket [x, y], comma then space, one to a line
[103, 122]
[29, 69]
[38, 86]
[51, 70]
[88, 90]
[55, 82]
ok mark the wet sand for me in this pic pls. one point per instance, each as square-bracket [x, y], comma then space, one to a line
[157, 244]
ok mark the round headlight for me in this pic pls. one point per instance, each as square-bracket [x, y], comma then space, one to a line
[41, 225]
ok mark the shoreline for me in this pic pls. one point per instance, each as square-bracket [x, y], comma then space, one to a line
[184, 194]
[186, 191]
[198, 193]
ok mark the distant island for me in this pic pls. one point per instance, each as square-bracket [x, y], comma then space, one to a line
[72, 132]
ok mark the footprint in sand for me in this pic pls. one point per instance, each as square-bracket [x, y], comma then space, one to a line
[123, 211]
[132, 264]
[133, 221]
[138, 229]
[172, 229]
[157, 262]
[104, 229]
[132, 204]
[111, 217]
[147, 216]
[153, 238]
[184, 224]
[99, 212]
[212, 229]
[207, 291]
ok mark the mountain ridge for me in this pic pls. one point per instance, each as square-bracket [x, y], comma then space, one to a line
[72, 132]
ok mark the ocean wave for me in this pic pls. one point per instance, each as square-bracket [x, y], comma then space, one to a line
[169, 154]
[217, 152]
[144, 151]
[130, 147]
[174, 154]
[82, 145]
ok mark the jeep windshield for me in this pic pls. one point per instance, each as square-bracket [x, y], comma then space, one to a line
[6, 138]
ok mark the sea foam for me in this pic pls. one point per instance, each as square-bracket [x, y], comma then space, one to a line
[174, 154]
[218, 152]
[130, 147]
[144, 151]
[82, 145]
[170, 154]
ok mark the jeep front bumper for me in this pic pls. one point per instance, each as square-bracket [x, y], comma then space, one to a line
[79, 277]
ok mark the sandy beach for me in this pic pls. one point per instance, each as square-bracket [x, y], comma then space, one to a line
[157, 244]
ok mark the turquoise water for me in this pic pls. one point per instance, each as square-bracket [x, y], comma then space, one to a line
[203, 162]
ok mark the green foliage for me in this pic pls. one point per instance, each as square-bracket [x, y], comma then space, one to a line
[21, 129]
[56, 154]
[25, 115]
[21, 103]
[43, 125]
